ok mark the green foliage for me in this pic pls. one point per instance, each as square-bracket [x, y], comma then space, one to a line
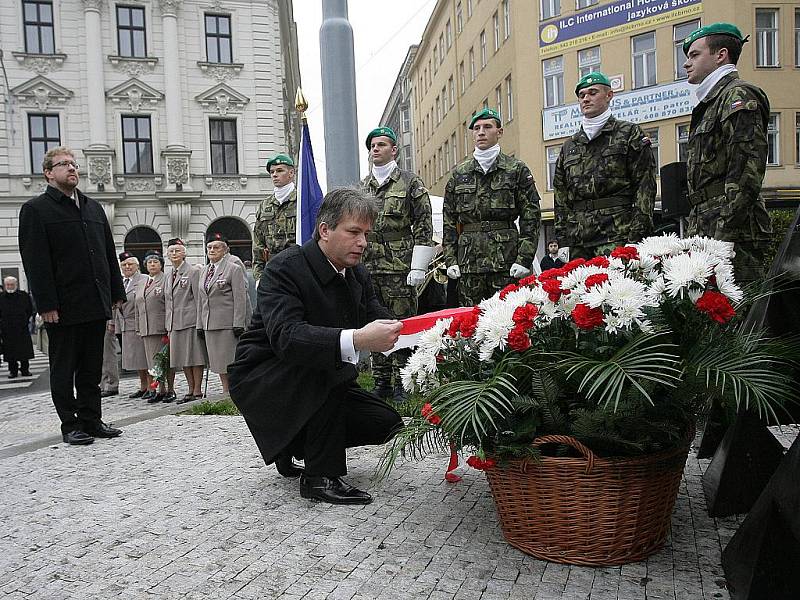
[214, 407]
[781, 220]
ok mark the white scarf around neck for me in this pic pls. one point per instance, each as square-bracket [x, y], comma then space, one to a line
[593, 125]
[381, 174]
[712, 79]
[486, 157]
[282, 193]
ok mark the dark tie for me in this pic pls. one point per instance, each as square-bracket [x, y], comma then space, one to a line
[174, 275]
[209, 277]
[127, 283]
[149, 281]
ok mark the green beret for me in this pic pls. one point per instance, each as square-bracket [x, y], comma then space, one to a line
[379, 131]
[593, 78]
[486, 113]
[280, 159]
[714, 28]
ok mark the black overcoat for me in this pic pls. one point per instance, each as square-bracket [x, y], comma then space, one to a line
[16, 311]
[289, 360]
[69, 257]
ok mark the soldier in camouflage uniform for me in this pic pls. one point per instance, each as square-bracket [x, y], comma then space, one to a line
[402, 226]
[485, 195]
[605, 178]
[276, 217]
[727, 149]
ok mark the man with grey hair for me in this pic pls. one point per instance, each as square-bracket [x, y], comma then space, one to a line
[294, 378]
[68, 253]
[16, 311]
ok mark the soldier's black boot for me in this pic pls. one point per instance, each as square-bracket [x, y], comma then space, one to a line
[383, 389]
[399, 394]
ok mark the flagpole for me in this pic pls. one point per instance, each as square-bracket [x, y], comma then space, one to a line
[301, 105]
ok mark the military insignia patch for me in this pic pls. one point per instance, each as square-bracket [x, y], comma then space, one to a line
[737, 104]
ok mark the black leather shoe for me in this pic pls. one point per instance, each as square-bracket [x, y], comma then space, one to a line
[104, 431]
[155, 398]
[138, 394]
[186, 398]
[170, 397]
[12, 375]
[77, 438]
[286, 466]
[27, 374]
[382, 390]
[331, 489]
[107, 393]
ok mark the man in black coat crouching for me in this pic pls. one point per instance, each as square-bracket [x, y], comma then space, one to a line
[294, 376]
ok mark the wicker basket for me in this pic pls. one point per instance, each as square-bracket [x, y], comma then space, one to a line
[590, 510]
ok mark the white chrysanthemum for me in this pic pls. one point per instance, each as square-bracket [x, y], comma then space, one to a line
[694, 294]
[649, 264]
[576, 279]
[715, 248]
[493, 327]
[668, 244]
[419, 372]
[685, 270]
[431, 340]
[726, 284]
[657, 289]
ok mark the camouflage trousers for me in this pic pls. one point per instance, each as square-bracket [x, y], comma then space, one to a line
[474, 287]
[401, 300]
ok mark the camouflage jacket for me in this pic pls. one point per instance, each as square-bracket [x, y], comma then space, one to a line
[727, 160]
[605, 188]
[404, 220]
[479, 234]
[274, 229]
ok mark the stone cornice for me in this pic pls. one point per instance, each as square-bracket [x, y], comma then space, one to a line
[39, 63]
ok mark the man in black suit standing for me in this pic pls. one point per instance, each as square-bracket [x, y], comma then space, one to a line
[68, 254]
[294, 377]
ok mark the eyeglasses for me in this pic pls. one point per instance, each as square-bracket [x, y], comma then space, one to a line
[67, 163]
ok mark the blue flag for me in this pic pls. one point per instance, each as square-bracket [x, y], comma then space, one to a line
[309, 194]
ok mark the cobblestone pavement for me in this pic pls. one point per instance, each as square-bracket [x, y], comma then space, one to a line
[32, 417]
[182, 507]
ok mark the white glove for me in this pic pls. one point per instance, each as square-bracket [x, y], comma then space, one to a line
[453, 272]
[415, 277]
[518, 271]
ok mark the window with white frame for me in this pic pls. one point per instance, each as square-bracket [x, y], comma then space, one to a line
[131, 32]
[797, 138]
[462, 75]
[509, 99]
[506, 20]
[224, 147]
[469, 8]
[219, 48]
[440, 171]
[44, 133]
[441, 48]
[552, 158]
[485, 103]
[586, 3]
[37, 19]
[467, 137]
[679, 33]
[137, 144]
[444, 101]
[446, 153]
[453, 149]
[471, 65]
[644, 59]
[682, 135]
[438, 110]
[408, 164]
[496, 27]
[448, 37]
[767, 37]
[553, 72]
[483, 48]
[797, 37]
[451, 91]
[550, 8]
[588, 60]
[405, 120]
[498, 95]
[459, 18]
[773, 140]
[653, 135]
[435, 59]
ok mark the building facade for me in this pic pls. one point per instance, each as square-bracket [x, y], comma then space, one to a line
[171, 106]
[398, 113]
[524, 58]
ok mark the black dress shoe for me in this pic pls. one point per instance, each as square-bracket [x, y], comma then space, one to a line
[383, 390]
[169, 397]
[186, 398]
[399, 395]
[12, 375]
[155, 398]
[286, 466]
[138, 394]
[107, 393]
[101, 430]
[27, 374]
[331, 489]
[77, 438]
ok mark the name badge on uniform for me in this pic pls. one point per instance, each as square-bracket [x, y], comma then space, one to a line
[221, 282]
[158, 291]
[184, 282]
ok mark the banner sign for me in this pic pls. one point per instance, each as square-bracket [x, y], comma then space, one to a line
[639, 106]
[609, 20]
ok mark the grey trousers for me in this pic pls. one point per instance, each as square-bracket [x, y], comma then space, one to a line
[110, 377]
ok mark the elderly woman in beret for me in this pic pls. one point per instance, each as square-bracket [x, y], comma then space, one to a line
[133, 354]
[187, 350]
[151, 319]
[223, 305]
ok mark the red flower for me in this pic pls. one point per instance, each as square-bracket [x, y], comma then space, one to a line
[430, 416]
[165, 339]
[453, 329]
[529, 280]
[716, 305]
[482, 465]
[553, 289]
[587, 318]
[518, 340]
[625, 253]
[596, 279]
[465, 324]
[524, 315]
[598, 261]
[573, 264]
[507, 290]
[551, 274]
[154, 384]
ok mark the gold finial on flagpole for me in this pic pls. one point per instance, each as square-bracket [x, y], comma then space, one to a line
[300, 103]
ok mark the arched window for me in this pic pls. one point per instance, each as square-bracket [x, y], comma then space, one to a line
[240, 240]
[140, 240]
